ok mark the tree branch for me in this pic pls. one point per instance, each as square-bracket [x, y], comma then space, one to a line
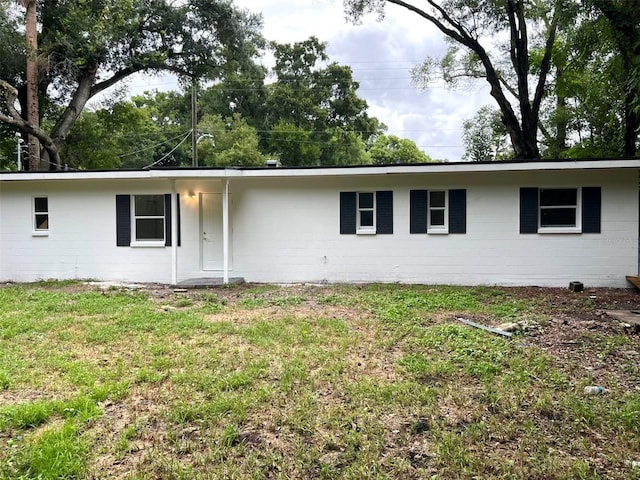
[126, 72]
[459, 34]
[10, 94]
[546, 61]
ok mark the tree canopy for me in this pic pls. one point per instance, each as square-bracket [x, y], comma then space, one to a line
[564, 74]
[303, 112]
[87, 47]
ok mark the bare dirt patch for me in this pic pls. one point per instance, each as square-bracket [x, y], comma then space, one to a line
[576, 329]
[580, 333]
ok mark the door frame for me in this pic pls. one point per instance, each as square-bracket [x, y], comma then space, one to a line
[225, 246]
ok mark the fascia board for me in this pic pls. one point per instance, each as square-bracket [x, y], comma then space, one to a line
[283, 172]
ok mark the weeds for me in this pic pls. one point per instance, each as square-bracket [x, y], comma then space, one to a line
[374, 381]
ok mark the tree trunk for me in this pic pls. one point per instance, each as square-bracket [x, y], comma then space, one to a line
[33, 110]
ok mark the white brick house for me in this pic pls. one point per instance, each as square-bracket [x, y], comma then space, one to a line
[507, 223]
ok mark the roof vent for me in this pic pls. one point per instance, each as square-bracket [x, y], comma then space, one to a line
[272, 163]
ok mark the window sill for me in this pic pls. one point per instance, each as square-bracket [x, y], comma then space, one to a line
[544, 230]
[440, 231]
[365, 232]
[148, 244]
[40, 234]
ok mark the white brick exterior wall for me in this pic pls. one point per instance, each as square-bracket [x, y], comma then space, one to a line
[286, 229]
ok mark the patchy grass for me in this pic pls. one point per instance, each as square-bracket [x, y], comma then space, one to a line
[372, 381]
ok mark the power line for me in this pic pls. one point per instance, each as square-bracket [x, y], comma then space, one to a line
[152, 146]
[170, 152]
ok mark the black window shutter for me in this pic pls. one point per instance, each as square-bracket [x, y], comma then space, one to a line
[384, 212]
[167, 219]
[529, 210]
[418, 211]
[123, 220]
[178, 213]
[591, 209]
[348, 213]
[457, 211]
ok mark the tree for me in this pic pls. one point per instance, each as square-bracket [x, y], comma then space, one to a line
[314, 111]
[583, 112]
[484, 136]
[242, 120]
[472, 24]
[582, 115]
[228, 142]
[623, 18]
[127, 134]
[240, 91]
[90, 46]
[294, 145]
[343, 147]
[390, 149]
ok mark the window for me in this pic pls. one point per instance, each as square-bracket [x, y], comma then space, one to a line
[437, 221]
[41, 215]
[438, 211]
[366, 212]
[560, 210]
[148, 218]
[145, 220]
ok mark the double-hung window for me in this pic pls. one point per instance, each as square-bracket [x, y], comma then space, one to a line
[438, 211]
[559, 208]
[366, 212]
[145, 220]
[148, 218]
[40, 215]
[437, 222]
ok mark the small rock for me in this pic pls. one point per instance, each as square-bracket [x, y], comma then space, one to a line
[594, 390]
[633, 463]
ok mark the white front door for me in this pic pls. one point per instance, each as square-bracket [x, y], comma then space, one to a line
[211, 232]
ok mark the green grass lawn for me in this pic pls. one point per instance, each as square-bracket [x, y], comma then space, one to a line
[377, 381]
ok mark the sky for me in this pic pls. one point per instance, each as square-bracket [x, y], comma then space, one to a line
[381, 55]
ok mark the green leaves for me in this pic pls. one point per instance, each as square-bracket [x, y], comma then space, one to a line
[390, 149]
[228, 142]
[91, 45]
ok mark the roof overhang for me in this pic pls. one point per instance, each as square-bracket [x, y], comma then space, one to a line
[293, 172]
